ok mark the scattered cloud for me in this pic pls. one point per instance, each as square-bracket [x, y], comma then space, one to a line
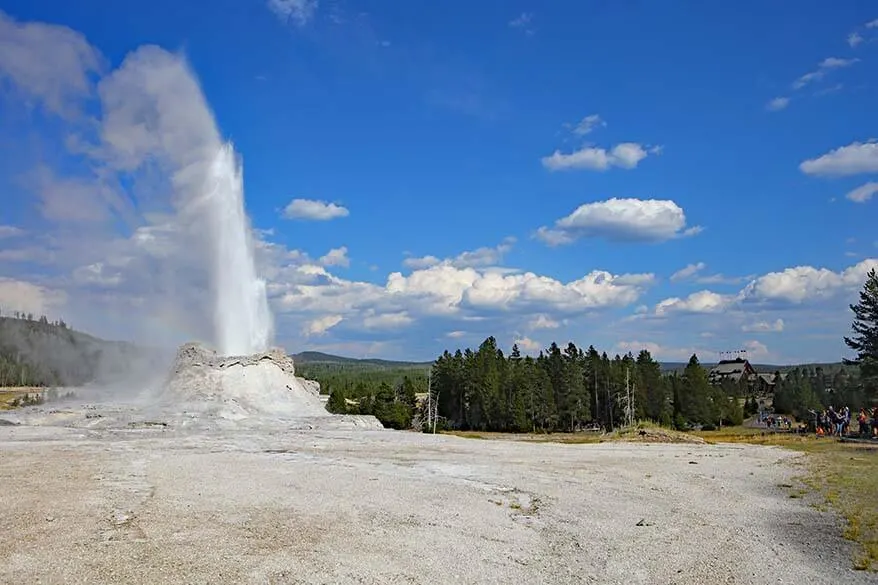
[688, 271]
[455, 334]
[853, 159]
[51, 63]
[10, 231]
[321, 325]
[527, 345]
[777, 104]
[16, 295]
[828, 90]
[311, 209]
[805, 283]
[336, 257]
[97, 274]
[484, 256]
[387, 320]
[721, 279]
[755, 350]
[704, 301]
[588, 124]
[543, 322]
[661, 352]
[854, 39]
[523, 22]
[626, 155]
[645, 220]
[764, 326]
[863, 193]
[421, 262]
[823, 68]
[791, 287]
[297, 12]
[872, 24]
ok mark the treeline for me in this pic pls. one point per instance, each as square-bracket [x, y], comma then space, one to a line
[395, 406]
[356, 382]
[16, 370]
[40, 352]
[801, 390]
[572, 389]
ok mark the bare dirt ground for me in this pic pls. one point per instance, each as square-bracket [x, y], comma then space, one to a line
[273, 506]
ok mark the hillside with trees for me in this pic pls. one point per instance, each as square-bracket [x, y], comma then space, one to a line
[37, 352]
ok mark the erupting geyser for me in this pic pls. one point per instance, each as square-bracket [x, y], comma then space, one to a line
[243, 378]
[242, 320]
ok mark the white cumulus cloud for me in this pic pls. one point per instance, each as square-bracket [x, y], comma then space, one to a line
[315, 210]
[387, 320]
[336, 257]
[528, 346]
[853, 159]
[626, 155]
[799, 284]
[649, 220]
[703, 301]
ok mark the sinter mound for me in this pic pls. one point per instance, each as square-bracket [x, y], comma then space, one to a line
[241, 387]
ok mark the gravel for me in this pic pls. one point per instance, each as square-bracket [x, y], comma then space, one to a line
[165, 504]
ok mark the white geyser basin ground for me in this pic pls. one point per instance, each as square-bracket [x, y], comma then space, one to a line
[97, 493]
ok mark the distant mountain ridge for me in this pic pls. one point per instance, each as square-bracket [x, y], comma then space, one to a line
[318, 357]
[326, 359]
[57, 355]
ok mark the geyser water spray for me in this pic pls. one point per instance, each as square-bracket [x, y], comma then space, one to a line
[242, 319]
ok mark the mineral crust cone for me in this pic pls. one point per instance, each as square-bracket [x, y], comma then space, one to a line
[238, 387]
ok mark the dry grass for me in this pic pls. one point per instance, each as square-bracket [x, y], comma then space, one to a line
[8, 394]
[567, 438]
[844, 474]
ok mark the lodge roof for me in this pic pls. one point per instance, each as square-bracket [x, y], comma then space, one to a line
[731, 368]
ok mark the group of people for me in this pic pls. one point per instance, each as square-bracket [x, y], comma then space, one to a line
[777, 422]
[837, 423]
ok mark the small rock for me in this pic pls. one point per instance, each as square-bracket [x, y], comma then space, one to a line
[50, 518]
[693, 463]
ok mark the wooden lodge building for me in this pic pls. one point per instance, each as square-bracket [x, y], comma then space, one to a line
[737, 369]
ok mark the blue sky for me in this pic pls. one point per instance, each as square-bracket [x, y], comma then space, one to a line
[625, 174]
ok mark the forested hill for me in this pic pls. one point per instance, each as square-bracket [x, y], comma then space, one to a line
[317, 357]
[37, 352]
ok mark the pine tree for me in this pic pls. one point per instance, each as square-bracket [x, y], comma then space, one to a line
[337, 403]
[865, 338]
